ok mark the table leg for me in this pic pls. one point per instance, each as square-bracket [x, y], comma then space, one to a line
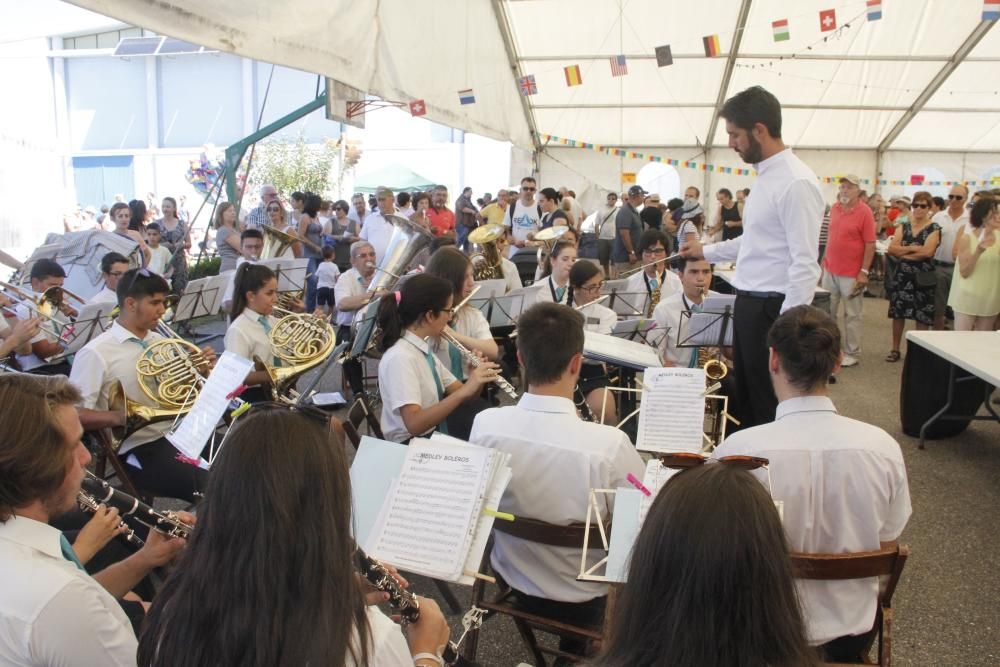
[947, 405]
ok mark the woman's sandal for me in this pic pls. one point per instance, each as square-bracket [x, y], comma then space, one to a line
[893, 356]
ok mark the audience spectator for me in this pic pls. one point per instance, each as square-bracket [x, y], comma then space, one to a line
[258, 216]
[378, 230]
[493, 211]
[440, 217]
[552, 215]
[310, 229]
[467, 218]
[344, 232]
[227, 238]
[403, 204]
[628, 227]
[523, 218]
[566, 205]
[651, 214]
[729, 217]
[952, 221]
[176, 237]
[975, 289]
[359, 212]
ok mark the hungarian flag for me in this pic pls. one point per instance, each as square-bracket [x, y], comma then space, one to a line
[573, 77]
[874, 10]
[418, 108]
[711, 45]
[828, 20]
[781, 33]
[527, 85]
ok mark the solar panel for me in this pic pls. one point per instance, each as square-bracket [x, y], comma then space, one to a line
[138, 46]
[172, 46]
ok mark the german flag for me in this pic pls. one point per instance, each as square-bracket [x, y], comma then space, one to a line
[711, 46]
[573, 77]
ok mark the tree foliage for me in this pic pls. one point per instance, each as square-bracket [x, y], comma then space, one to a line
[294, 166]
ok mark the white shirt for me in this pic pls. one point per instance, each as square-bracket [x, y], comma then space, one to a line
[105, 296]
[510, 274]
[949, 231]
[471, 322]
[247, 337]
[405, 378]
[670, 325]
[524, 220]
[670, 283]
[107, 359]
[326, 274]
[29, 362]
[598, 318]
[227, 296]
[159, 259]
[605, 222]
[377, 231]
[547, 291]
[556, 459]
[350, 284]
[780, 242]
[388, 647]
[353, 215]
[844, 488]
[51, 611]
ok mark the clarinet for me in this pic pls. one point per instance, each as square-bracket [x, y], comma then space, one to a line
[474, 361]
[164, 522]
[402, 601]
[90, 504]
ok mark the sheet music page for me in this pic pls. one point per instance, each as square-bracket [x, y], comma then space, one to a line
[656, 476]
[498, 484]
[197, 426]
[619, 351]
[429, 516]
[673, 410]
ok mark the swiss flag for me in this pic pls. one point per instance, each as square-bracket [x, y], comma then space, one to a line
[828, 20]
[418, 108]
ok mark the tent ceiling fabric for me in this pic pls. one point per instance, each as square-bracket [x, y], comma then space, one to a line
[850, 90]
[399, 50]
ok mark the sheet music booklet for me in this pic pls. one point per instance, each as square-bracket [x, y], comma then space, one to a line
[619, 351]
[672, 418]
[421, 507]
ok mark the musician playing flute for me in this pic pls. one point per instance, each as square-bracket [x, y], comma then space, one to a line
[52, 612]
[151, 461]
[657, 279]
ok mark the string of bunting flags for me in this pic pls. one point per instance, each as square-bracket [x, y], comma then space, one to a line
[915, 179]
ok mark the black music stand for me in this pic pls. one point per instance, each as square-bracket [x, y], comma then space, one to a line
[201, 298]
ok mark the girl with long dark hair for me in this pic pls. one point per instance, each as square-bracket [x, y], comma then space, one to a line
[710, 580]
[418, 391]
[255, 293]
[268, 576]
[585, 281]
[555, 286]
[311, 229]
[121, 216]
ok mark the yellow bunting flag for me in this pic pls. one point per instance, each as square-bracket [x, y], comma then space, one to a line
[573, 77]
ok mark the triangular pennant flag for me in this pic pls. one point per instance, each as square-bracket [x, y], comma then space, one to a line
[781, 33]
[527, 85]
[711, 43]
[573, 77]
[874, 10]
[828, 20]
[664, 57]
[618, 66]
[418, 108]
[466, 96]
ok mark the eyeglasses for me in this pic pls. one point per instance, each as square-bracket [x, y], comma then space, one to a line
[654, 251]
[273, 209]
[590, 289]
[524, 189]
[956, 197]
[918, 204]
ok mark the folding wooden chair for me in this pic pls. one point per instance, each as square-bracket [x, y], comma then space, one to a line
[360, 413]
[108, 453]
[859, 565]
[527, 623]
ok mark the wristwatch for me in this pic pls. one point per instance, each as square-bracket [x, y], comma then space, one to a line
[864, 271]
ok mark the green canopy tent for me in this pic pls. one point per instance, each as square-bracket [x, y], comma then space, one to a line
[394, 176]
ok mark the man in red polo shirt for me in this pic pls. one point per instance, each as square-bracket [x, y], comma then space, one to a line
[849, 251]
[442, 218]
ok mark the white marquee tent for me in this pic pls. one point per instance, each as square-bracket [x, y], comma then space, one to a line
[911, 95]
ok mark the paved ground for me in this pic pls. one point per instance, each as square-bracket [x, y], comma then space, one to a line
[947, 608]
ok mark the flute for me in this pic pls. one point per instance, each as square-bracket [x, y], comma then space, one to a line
[90, 504]
[164, 522]
[475, 362]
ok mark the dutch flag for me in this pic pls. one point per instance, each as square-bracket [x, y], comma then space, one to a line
[991, 10]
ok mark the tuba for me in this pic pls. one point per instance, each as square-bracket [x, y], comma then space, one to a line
[276, 242]
[486, 264]
[301, 341]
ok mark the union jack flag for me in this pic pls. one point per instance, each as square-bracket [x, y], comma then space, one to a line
[527, 84]
[618, 66]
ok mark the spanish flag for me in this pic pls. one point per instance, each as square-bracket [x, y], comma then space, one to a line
[711, 46]
[573, 77]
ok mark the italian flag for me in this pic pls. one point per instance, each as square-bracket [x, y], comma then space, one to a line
[781, 33]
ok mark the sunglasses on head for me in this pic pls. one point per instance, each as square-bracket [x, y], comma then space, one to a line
[687, 460]
[145, 273]
[310, 411]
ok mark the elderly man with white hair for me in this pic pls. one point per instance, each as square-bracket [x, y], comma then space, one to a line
[258, 217]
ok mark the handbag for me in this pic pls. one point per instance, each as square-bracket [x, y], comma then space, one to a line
[926, 279]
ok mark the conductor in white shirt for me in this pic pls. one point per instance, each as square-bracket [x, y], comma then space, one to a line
[843, 482]
[776, 265]
[556, 458]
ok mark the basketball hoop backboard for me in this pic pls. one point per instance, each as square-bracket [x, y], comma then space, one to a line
[345, 104]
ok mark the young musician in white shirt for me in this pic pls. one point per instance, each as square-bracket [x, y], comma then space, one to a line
[657, 280]
[113, 266]
[554, 288]
[585, 282]
[150, 459]
[53, 612]
[46, 349]
[671, 326]
[255, 295]
[843, 482]
[556, 459]
[418, 392]
[251, 246]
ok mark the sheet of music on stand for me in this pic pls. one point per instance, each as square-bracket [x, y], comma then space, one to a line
[92, 320]
[705, 327]
[198, 425]
[421, 507]
[672, 418]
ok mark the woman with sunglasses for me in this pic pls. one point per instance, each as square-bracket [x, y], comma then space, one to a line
[227, 239]
[296, 599]
[277, 217]
[554, 286]
[912, 285]
[711, 554]
[585, 282]
[418, 391]
[344, 231]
